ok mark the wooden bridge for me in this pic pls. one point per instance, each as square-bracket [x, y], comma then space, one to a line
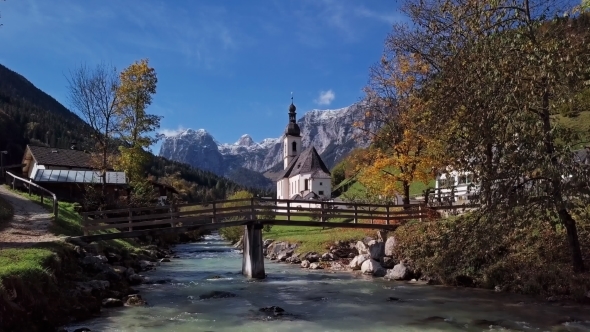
[253, 213]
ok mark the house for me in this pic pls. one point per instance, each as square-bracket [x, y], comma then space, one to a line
[66, 171]
[459, 186]
[305, 175]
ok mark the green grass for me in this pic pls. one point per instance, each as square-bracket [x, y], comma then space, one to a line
[25, 263]
[6, 210]
[314, 238]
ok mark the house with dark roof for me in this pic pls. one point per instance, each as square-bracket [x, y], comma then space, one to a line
[305, 175]
[64, 170]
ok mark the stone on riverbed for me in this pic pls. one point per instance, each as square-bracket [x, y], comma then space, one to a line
[216, 295]
[389, 246]
[112, 303]
[362, 248]
[135, 300]
[376, 249]
[315, 266]
[399, 272]
[357, 262]
[277, 311]
[373, 267]
[387, 262]
[305, 264]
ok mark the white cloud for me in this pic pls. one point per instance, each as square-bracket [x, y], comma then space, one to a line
[325, 97]
[171, 132]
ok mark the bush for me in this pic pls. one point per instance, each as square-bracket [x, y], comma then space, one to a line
[521, 252]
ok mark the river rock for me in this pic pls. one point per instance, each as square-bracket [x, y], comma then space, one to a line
[135, 279]
[113, 257]
[376, 249]
[277, 311]
[130, 271]
[146, 265]
[358, 261]
[240, 243]
[165, 260]
[216, 295]
[390, 246]
[399, 272]
[88, 287]
[284, 254]
[371, 266]
[112, 303]
[387, 262]
[311, 257]
[327, 257]
[267, 243]
[294, 259]
[315, 266]
[362, 248]
[305, 264]
[382, 236]
[135, 300]
[275, 248]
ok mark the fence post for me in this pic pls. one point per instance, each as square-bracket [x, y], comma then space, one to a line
[130, 219]
[288, 211]
[252, 210]
[55, 207]
[387, 216]
[356, 220]
[420, 212]
[214, 213]
[41, 193]
[172, 210]
[30, 189]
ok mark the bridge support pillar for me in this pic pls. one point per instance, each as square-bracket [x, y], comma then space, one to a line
[253, 259]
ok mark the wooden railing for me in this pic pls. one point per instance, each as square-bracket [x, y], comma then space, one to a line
[264, 210]
[30, 185]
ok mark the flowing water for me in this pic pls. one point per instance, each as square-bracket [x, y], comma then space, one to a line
[318, 301]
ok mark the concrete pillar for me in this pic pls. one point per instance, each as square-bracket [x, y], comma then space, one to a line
[253, 259]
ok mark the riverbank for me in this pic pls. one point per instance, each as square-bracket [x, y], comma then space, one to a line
[465, 251]
[47, 284]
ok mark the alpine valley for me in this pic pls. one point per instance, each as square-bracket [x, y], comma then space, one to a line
[254, 164]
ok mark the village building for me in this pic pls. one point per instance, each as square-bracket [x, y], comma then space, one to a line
[305, 175]
[66, 171]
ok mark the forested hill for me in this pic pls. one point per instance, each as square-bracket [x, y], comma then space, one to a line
[30, 116]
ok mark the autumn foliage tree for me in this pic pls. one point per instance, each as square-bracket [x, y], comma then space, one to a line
[136, 127]
[399, 152]
[501, 70]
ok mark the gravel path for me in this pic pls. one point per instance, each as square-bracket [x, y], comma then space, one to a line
[30, 224]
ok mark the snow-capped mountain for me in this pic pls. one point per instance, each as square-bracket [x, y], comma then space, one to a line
[330, 131]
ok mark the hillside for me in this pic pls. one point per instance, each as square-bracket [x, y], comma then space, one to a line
[30, 116]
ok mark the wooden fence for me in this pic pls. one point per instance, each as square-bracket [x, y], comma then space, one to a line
[264, 210]
[40, 190]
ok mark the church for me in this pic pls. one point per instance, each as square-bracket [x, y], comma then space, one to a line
[305, 175]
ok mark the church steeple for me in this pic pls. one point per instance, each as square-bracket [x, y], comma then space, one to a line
[293, 127]
[292, 140]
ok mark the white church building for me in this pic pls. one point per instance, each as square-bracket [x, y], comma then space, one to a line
[305, 175]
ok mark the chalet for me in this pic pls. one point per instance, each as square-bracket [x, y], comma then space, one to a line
[66, 171]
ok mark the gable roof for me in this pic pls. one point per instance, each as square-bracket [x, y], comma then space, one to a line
[309, 161]
[70, 176]
[60, 157]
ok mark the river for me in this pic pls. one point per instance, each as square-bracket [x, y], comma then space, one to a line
[317, 301]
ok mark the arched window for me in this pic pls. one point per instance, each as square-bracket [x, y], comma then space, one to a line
[294, 146]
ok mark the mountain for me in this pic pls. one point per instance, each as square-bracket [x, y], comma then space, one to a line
[30, 116]
[330, 131]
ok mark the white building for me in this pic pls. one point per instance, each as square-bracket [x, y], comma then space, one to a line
[305, 175]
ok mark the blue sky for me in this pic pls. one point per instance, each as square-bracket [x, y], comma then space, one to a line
[226, 66]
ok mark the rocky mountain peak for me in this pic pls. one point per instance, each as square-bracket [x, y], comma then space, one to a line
[245, 140]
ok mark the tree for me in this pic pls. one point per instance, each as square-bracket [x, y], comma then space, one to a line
[136, 127]
[500, 71]
[93, 95]
[399, 145]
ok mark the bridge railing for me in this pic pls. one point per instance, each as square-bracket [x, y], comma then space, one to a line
[263, 209]
[30, 185]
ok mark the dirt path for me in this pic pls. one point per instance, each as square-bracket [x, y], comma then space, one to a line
[30, 224]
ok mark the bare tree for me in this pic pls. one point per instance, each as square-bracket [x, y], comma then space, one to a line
[93, 95]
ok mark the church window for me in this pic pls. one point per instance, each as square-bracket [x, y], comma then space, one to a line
[306, 184]
[294, 146]
[321, 192]
[320, 183]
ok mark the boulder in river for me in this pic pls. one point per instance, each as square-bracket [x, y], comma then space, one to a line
[305, 264]
[277, 311]
[315, 266]
[399, 272]
[373, 267]
[390, 246]
[135, 300]
[112, 303]
[216, 295]
[376, 250]
[362, 248]
[387, 262]
[357, 262]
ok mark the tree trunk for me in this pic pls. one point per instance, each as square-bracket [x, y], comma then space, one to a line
[572, 239]
[406, 187]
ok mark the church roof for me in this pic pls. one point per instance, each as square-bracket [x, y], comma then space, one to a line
[309, 161]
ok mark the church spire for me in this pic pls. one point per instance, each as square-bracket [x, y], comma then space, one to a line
[293, 127]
